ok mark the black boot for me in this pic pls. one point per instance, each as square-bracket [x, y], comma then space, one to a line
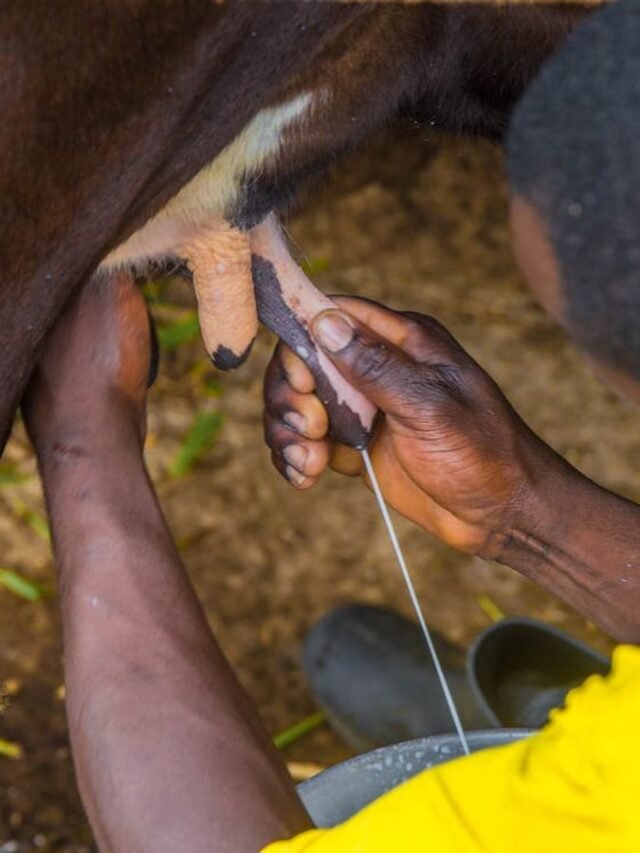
[370, 671]
[519, 669]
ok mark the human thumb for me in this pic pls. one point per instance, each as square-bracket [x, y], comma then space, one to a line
[373, 365]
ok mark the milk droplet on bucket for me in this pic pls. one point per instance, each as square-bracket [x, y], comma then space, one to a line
[303, 352]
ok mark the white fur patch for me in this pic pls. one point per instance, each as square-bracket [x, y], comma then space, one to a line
[211, 194]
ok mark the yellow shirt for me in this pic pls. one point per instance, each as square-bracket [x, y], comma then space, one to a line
[573, 787]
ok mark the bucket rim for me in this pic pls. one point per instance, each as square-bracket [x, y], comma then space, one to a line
[431, 744]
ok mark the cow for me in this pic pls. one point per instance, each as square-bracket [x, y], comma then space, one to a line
[141, 132]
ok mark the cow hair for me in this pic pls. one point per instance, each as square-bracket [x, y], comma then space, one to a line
[109, 109]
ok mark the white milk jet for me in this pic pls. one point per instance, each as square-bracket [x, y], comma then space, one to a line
[395, 544]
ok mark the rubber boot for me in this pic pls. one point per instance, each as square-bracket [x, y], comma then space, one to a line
[370, 671]
[520, 669]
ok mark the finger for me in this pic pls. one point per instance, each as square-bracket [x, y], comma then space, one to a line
[220, 262]
[298, 374]
[419, 335]
[381, 371]
[382, 320]
[295, 478]
[286, 366]
[304, 413]
[433, 337]
[278, 436]
[307, 457]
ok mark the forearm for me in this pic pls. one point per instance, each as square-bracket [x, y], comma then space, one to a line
[584, 546]
[169, 752]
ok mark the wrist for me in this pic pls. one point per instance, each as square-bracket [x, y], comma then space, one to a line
[539, 514]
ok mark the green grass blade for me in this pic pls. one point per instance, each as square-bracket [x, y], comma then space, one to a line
[20, 586]
[9, 474]
[490, 608]
[311, 266]
[210, 386]
[298, 730]
[36, 522]
[9, 749]
[202, 434]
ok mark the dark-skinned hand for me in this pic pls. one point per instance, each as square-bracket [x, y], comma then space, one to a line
[450, 452]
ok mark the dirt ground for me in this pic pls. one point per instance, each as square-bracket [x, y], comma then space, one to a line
[414, 223]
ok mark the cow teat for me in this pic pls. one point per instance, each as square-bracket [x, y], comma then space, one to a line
[219, 259]
[287, 303]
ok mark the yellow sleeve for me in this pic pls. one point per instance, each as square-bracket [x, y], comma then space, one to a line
[573, 787]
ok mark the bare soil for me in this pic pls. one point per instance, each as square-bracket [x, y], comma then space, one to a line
[415, 223]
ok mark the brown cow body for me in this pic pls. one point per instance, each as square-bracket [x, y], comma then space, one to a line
[110, 109]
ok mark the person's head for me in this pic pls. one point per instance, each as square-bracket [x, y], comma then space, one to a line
[573, 159]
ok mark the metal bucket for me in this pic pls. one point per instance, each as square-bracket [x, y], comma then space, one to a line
[340, 791]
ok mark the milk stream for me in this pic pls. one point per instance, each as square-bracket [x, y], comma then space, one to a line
[395, 544]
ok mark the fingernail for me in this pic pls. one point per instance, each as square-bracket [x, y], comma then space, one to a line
[294, 476]
[296, 422]
[295, 455]
[332, 330]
